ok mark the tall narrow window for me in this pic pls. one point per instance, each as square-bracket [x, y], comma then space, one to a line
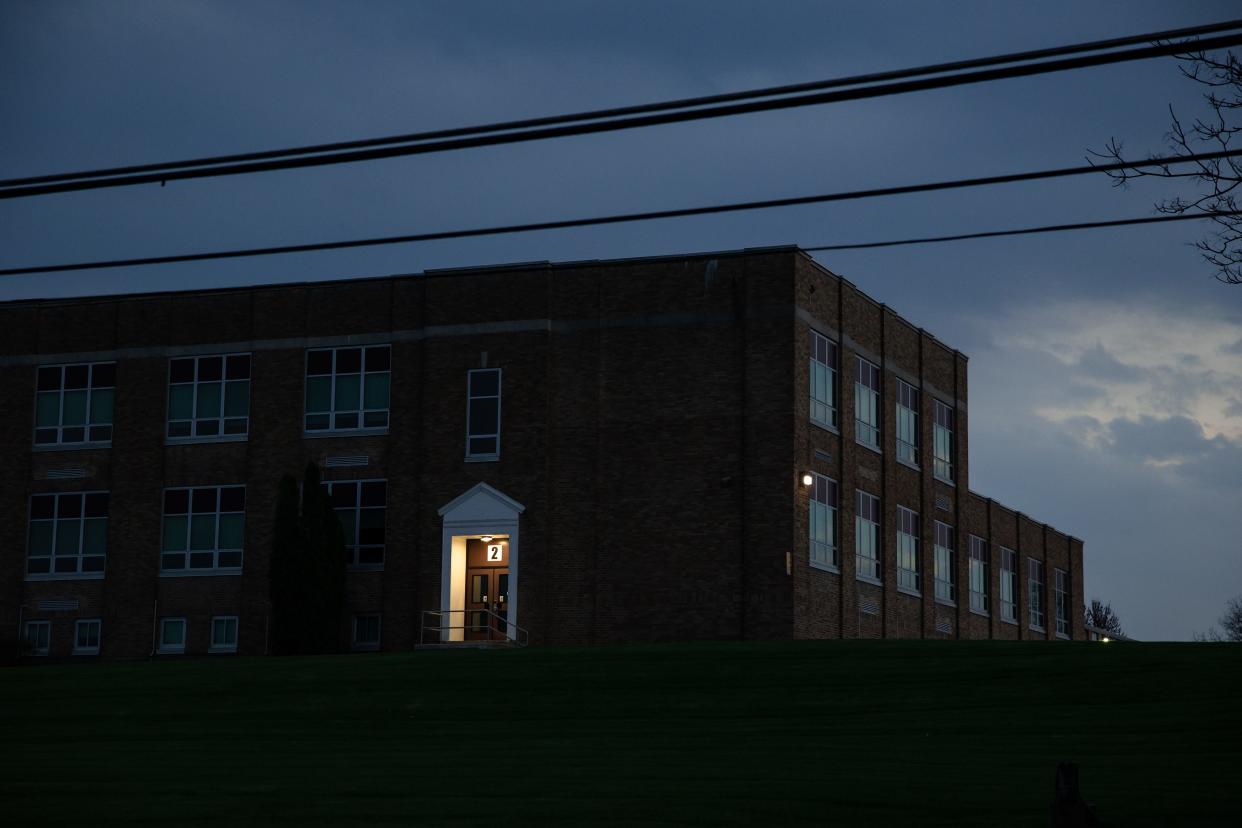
[68, 534]
[823, 380]
[979, 599]
[942, 466]
[361, 507]
[1035, 584]
[824, 523]
[867, 536]
[867, 404]
[347, 388]
[209, 396]
[73, 404]
[483, 414]
[946, 579]
[1061, 594]
[38, 637]
[907, 423]
[1009, 585]
[86, 634]
[907, 549]
[204, 529]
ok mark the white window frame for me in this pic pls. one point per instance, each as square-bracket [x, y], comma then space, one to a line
[822, 515]
[909, 578]
[868, 538]
[944, 439]
[907, 424]
[944, 565]
[172, 649]
[1060, 591]
[79, 574]
[351, 544]
[823, 381]
[79, 649]
[45, 627]
[332, 411]
[86, 442]
[476, 457]
[979, 571]
[220, 436]
[215, 647]
[216, 550]
[1037, 594]
[867, 402]
[1009, 584]
[379, 631]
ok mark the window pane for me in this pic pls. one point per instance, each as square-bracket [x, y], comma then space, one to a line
[210, 369]
[180, 402]
[181, 370]
[238, 367]
[482, 445]
[67, 536]
[484, 383]
[75, 408]
[376, 391]
[348, 528]
[95, 536]
[42, 506]
[344, 495]
[349, 361]
[47, 412]
[40, 543]
[371, 527]
[374, 493]
[203, 532]
[318, 394]
[232, 498]
[237, 398]
[348, 391]
[77, 376]
[232, 531]
[175, 533]
[101, 406]
[49, 378]
[208, 405]
[484, 416]
[378, 358]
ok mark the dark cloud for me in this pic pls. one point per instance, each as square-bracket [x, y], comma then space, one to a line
[1233, 348]
[1180, 442]
[1234, 408]
[1097, 363]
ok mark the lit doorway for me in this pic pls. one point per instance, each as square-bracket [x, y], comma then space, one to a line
[479, 578]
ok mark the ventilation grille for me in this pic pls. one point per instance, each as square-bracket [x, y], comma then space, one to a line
[56, 606]
[346, 461]
[942, 502]
[869, 607]
[69, 473]
[944, 625]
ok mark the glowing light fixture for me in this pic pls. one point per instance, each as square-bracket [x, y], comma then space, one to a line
[807, 479]
[486, 538]
[1105, 639]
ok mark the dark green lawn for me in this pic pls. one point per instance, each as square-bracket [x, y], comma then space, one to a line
[829, 733]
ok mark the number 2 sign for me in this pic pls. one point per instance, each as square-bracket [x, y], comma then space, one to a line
[494, 552]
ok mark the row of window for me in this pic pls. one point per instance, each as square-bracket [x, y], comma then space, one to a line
[347, 390]
[825, 554]
[202, 529]
[867, 409]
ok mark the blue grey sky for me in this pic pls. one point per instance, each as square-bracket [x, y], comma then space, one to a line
[1106, 366]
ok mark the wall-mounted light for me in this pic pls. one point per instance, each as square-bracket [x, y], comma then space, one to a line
[1105, 639]
[486, 539]
[807, 479]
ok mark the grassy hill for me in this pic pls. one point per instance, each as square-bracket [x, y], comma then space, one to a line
[830, 733]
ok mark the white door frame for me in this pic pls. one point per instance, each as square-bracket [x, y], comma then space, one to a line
[481, 510]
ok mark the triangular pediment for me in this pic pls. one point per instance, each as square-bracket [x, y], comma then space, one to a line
[481, 503]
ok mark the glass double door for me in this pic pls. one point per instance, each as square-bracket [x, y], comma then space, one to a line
[487, 589]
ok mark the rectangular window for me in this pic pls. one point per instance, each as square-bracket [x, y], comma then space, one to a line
[347, 388]
[366, 632]
[1035, 584]
[942, 466]
[824, 523]
[1061, 595]
[360, 506]
[172, 636]
[224, 634]
[73, 404]
[979, 599]
[68, 534]
[946, 579]
[86, 636]
[867, 404]
[39, 637]
[483, 414]
[1009, 585]
[209, 396]
[867, 536]
[907, 423]
[823, 380]
[907, 549]
[204, 529]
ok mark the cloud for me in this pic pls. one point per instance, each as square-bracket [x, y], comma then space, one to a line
[1232, 348]
[1234, 408]
[1178, 444]
[1098, 362]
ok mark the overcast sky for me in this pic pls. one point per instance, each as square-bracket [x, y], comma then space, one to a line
[1106, 366]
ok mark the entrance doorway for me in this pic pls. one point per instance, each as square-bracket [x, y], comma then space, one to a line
[479, 567]
[487, 588]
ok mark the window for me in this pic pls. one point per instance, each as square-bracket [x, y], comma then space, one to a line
[38, 637]
[483, 414]
[946, 580]
[1035, 584]
[366, 632]
[209, 396]
[360, 507]
[907, 423]
[867, 404]
[172, 636]
[68, 534]
[204, 528]
[979, 601]
[224, 634]
[824, 523]
[907, 549]
[823, 380]
[1061, 596]
[867, 536]
[86, 637]
[347, 388]
[942, 439]
[1009, 585]
[73, 404]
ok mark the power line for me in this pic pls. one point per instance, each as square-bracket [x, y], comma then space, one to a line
[620, 218]
[683, 103]
[652, 119]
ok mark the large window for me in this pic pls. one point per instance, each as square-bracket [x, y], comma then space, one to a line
[907, 423]
[1035, 585]
[867, 404]
[1009, 585]
[172, 636]
[824, 523]
[942, 438]
[366, 632]
[209, 396]
[1061, 595]
[360, 505]
[823, 380]
[867, 536]
[907, 549]
[68, 534]
[204, 529]
[347, 388]
[223, 634]
[73, 404]
[483, 414]
[979, 599]
[946, 579]
[86, 634]
[39, 637]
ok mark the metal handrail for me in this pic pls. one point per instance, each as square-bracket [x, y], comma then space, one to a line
[519, 637]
